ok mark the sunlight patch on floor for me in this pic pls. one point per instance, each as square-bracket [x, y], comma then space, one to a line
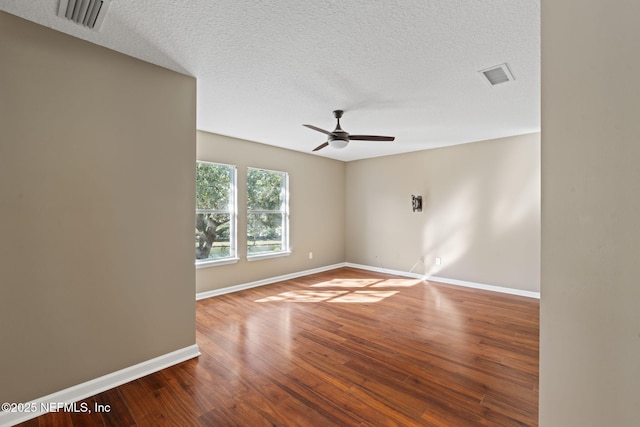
[304, 296]
[342, 295]
[364, 296]
[397, 283]
[346, 283]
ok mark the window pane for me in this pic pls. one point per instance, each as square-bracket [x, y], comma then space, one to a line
[264, 232]
[265, 190]
[213, 236]
[213, 186]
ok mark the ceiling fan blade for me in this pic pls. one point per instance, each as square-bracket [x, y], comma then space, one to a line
[321, 146]
[371, 138]
[318, 129]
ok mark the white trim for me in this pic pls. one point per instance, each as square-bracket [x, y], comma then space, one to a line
[266, 255]
[100, 384]
[214, 262]
[456, 282]
[501, 289]
[386, 271]
[243, 286]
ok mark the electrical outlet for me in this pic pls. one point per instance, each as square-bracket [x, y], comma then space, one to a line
[310, 255]
[438, 261]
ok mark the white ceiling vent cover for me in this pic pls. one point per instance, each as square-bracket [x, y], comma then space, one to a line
[497, 74]
[89, 13]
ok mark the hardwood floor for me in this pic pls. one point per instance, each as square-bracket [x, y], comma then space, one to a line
[343, 348]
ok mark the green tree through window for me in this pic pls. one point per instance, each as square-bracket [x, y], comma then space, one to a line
[267, 212]
[215, 211]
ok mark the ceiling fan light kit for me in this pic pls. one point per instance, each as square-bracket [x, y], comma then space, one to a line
[338, 143]
[340, 139]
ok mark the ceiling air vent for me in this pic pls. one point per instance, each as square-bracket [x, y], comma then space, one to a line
[497, 74]
[89, 13]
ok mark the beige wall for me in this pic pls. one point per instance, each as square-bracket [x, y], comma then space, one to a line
[316, 187]
[481, 212]
[96, 205]
[590, 307]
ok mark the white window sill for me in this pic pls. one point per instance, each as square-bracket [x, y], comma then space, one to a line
[216, 262]
[267, 255]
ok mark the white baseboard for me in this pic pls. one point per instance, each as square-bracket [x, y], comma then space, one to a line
[243, 286]
[240, 287]
[456, 282]
[484, 287]
[386, 271]
[98, 385]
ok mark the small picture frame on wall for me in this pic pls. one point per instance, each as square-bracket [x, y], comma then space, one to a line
[416, 203]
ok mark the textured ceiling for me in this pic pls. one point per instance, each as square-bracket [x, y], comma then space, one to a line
[406, 68]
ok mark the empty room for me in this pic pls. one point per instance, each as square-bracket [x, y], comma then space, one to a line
[406, 213]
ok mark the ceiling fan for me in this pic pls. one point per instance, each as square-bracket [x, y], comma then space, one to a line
[339, 138]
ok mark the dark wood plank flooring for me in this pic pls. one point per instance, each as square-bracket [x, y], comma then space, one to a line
[343, 348]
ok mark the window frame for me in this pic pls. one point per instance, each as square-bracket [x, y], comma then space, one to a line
[284, 211]
[232, 210]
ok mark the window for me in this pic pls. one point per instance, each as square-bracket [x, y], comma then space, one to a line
[215, 214]
[267, 213]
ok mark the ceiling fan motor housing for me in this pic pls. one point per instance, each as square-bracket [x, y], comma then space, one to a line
[338, 138]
